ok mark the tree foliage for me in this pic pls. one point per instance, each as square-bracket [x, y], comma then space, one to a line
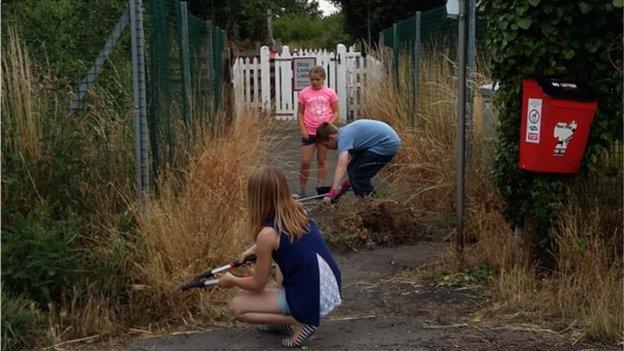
[581, 40]
[307, 32]
[382, 13]
[243, 19]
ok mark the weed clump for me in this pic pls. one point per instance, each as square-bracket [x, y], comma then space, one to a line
[353, 223]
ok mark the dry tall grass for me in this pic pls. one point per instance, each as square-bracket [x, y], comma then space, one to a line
[583, 294]
[427, 157]
[198, 226]
[21, 103]
[585, 289]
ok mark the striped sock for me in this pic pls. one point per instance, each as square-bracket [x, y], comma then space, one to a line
[304, 335]
[285, 329]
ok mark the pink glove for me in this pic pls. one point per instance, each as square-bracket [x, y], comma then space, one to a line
[346, 185]
[331, 195]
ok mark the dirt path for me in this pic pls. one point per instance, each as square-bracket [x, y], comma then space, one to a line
[285, 156]
[381, 309]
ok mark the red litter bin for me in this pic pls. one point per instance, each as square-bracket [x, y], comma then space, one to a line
[556, 118]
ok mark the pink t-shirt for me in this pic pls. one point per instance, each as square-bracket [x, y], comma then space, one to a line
[317, 107]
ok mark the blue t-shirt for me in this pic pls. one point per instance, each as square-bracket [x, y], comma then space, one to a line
[368, 135]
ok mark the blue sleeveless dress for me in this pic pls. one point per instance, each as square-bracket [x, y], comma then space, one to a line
[298, 261]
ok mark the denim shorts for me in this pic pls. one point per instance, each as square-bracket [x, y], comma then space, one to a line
[282, 305]
[311, 140]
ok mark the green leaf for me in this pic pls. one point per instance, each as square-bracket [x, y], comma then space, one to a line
[524, 23]
[521, 10]
[592, 46]
[585, 7]
[568, 54]
[534, 3]
[618, 3]
[547, 29]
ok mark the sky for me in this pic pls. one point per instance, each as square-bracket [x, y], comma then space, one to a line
[327, 7]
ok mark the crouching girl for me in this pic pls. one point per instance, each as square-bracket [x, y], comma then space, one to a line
[284, 233]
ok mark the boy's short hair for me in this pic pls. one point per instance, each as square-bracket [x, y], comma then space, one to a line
[324, 131]
[317, 70]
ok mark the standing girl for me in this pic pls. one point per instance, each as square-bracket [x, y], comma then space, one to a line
[317, 104]
[284, 233]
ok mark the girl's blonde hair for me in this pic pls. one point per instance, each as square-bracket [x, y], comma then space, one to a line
[268, 197]
[318, 70]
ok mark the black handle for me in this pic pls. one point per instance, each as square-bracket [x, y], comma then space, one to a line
[199, 280]
[248, 259]
[204, 275]
[194, 284]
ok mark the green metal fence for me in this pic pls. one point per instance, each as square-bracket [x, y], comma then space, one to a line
[185, 74]
[427, 42]
[435, 29]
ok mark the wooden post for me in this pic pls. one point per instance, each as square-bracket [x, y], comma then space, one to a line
[265, 73]
[341, 80]
[270, 28]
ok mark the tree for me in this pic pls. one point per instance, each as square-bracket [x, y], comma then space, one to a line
[308, 32]
[382, 14]
[243, 19]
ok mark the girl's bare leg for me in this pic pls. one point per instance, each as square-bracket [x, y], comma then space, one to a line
[259, 308]
[307, 151]
[321, 159]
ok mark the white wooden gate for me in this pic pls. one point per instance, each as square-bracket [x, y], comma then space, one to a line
[267, 82]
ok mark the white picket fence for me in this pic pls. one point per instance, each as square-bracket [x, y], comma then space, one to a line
[347, 73]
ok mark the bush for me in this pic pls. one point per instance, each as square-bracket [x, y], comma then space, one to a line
[578, 40]
[67, 34]
[20, 321]
[39, 257]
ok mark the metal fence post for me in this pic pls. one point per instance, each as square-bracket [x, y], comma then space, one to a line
[395, 53]
[416, 69]
[470, 68]
[139, 98]
[186, 66]
[461, 119]
[99, 61]
[211, 70]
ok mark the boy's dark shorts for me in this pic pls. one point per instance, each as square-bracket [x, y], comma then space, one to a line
[311, 140]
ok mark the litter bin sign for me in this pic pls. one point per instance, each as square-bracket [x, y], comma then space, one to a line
[556, 119]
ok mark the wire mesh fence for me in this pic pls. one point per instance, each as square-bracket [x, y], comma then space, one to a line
[185, 72]
[422, 54]
[430, 38]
